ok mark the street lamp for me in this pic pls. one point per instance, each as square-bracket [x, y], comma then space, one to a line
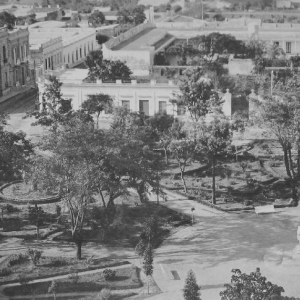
[192, 210]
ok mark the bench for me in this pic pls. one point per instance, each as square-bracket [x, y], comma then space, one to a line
[266, 209]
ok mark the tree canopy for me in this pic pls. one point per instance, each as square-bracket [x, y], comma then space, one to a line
[7, 19]
[97, 18]
[15, 150]
[105, 69]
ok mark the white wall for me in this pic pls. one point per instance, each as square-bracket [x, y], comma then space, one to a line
[88, 43]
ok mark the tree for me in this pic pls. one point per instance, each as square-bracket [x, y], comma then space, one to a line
[15, 151]
[161, 124]
[132, 15]
[74, 169]
[253, 286]
[212, 139]
[55, 108]
[279, 114]
[36, 217]
[7, 19]
[53, 288]
[97, 18]
[148, 262]
[135, 140]
[101, 39]
[97, 103]
[196, 93]
[105, 69]
[191, 288]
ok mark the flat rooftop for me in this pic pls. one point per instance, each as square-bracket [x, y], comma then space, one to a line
[47, 24]
[73, 75]
[38, 36]
[147, 37]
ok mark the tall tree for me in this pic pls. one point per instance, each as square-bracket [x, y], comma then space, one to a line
[73, 169]
[55, 108]
[96, 104]
[196, 93]
[36, 217]
[135, 141]
[191, 288]
[280, 116]
[15, 151]
[212, 139]
[148, 262]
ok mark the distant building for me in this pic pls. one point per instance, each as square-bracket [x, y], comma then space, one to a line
[14, 59]
[283, 4]
[56, 47]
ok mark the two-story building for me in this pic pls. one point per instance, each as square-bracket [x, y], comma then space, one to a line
[14, 58]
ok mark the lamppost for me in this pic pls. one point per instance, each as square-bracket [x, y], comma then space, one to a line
[192, 210]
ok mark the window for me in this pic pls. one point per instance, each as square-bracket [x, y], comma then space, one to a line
[25, 50]
[276, 43]
[162, 106]
[76, 54]
[4, 53]
[68, 58]
[84, 50]
[144, 107]
[288, 47]
[126, 104]
[21, 52]
[80, 51]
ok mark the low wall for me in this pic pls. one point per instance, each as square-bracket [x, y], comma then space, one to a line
[128, 34]
[20, 201]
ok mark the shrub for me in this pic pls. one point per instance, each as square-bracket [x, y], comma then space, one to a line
[17, 259]
[23, 280]
[35, 255]
[58, 210]
[109, 274]
[104, 294]
[74, 277]
[177, 8]
[9, 208]
[5, 272]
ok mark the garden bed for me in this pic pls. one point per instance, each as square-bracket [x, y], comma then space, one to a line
[126, 278]
[53, 266]
[19, 193]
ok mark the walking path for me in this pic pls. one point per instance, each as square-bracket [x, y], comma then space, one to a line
[217, 243]
[220, 242]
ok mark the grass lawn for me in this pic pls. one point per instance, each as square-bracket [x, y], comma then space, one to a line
[129, 223]
[51, 266]
[126, 278]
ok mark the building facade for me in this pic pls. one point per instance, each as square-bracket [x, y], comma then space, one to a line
[47, 56]
[14, 59]
[148, 98]
[57, 47]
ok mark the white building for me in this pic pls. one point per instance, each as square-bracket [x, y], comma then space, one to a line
[149, 98]
[72, 45]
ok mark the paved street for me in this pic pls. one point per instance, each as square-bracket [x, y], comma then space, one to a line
[220, 242]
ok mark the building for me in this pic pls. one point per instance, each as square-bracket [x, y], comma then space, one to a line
[14, 57]
[60, 46]
[46, 55]
[149, 98]
[283, 4]
[138, 46]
